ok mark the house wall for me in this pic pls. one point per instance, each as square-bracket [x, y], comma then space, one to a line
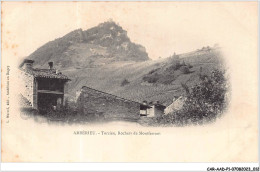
[28, 88]
[151, 112]
[143, 112]
[92, 102]
[176, 105]
[66, 94]
[154, 112]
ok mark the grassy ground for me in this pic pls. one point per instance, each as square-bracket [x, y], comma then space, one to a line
[109, 77]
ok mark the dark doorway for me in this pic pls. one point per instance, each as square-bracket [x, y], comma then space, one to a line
[48, 102]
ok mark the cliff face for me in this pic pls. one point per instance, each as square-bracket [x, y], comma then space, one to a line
[103, 44]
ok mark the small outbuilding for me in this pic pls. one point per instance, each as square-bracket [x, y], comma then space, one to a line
[44, 89]
[93, 103]
[156, 109]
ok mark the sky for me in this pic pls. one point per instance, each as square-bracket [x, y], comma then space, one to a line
[161, 27]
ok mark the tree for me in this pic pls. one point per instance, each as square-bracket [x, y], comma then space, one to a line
[205, 101]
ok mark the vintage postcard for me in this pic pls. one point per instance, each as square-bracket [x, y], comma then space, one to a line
[129, 82]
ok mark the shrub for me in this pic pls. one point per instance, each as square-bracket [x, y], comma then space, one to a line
[151, 78]
[154, 70]
[124, 82]
[189, 66]
[205, 102]
[183, 63]
[184, 69]
[175, 64]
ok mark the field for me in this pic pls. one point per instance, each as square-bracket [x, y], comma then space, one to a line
[109, 77]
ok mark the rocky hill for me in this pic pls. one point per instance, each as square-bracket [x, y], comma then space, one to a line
[100, 45]
[104, 58]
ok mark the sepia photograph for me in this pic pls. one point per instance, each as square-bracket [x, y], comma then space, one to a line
[129, 81]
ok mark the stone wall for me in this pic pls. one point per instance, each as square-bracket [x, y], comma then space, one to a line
[94, 103]
[27, 87]
[66, 94]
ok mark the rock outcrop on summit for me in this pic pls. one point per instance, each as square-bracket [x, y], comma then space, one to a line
[108, 42]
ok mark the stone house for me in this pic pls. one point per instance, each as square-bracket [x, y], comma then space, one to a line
[97, 104]
[156, 109]
[43, 88]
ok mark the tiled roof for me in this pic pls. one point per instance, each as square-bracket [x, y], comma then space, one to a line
[45, 73]
[158, 105]
[143, 105]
